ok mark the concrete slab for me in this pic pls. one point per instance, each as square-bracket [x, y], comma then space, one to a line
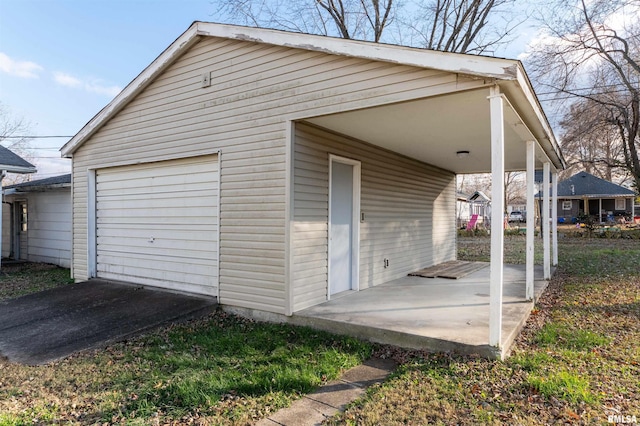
[333, 397]
[429, 313]
[46, 326]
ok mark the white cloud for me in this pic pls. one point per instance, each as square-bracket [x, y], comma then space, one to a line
[66, 80]
[90, 85]
[23, 69]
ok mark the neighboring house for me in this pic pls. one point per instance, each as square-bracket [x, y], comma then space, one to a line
[585, 193]
[37, 216]
[275, 170]
[467, 206]
[10, 163]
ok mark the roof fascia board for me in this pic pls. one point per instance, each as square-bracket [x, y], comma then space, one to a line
[550, 140]
[473, 65]
[17, 169]
[166, 58]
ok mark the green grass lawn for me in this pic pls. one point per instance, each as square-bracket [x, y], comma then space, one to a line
[218, 370]
[576, 362]
[21, 279]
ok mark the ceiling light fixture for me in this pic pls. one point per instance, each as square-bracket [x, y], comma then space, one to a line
[462, 154]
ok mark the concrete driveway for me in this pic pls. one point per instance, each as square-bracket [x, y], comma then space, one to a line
[46, 326]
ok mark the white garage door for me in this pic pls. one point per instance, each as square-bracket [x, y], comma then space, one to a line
[157, 224]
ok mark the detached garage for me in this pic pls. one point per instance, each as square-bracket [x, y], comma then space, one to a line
[157, 224]
[280, 171]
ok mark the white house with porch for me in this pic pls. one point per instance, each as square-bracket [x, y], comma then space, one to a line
[280, 172]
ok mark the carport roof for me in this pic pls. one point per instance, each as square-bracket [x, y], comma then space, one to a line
[524, 117]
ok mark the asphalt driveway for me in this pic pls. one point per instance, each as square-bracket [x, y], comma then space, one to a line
[46, 326]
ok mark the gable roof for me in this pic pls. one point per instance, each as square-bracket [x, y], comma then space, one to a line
[479, 197]
[510, 72]
[13, 163]
[583, 184]
[61, 181]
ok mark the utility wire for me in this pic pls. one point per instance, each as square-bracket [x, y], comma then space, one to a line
[33, 137]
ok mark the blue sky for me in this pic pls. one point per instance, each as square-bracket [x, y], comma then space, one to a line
[61, 61]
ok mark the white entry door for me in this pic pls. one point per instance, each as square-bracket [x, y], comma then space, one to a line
[344, 200]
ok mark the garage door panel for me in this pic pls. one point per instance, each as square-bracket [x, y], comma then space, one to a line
[148, 225]
[159, 191]
[180, 169]
[175, 263]
[164, 247]
[132, 267]
[176, 286]
[157, 224]
[203, 203]
[131, 195]
[159, 235]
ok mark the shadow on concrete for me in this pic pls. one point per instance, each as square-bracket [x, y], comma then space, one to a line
[53, 324]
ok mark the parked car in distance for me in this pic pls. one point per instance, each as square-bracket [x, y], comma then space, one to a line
[516, 216]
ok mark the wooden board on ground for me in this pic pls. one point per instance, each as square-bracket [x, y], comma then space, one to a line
[453, 269]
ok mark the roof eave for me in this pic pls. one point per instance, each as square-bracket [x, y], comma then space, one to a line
[543, 131]
[17, 169]
[473, 65]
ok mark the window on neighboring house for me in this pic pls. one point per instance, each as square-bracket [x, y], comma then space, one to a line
[23, 217]
[621, 204]
[566, 205]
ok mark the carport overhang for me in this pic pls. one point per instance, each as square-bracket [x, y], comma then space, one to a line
[496, 128]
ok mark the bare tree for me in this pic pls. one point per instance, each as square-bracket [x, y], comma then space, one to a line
[590, 143]
[592, 55]
[514, 188]
[11, 130]
[448, 25]
[461, 25]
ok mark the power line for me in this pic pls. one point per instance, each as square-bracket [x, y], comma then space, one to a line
[33, 137]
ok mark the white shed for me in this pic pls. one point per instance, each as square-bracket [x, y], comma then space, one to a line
[275, 170]
[37, 221]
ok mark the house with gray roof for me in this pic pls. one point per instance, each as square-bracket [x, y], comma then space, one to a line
[37, 221]
[13, 163]
[585, 193]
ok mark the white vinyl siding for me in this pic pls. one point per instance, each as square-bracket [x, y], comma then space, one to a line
[48, 235]
[6, 230]
[408, 207]
[49, 227]
[255, 89]
[157, 224]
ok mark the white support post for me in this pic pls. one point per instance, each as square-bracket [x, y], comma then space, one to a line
[554, 216]
[600, 211]
[496, 107]
[546, 243]
[531, 220]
